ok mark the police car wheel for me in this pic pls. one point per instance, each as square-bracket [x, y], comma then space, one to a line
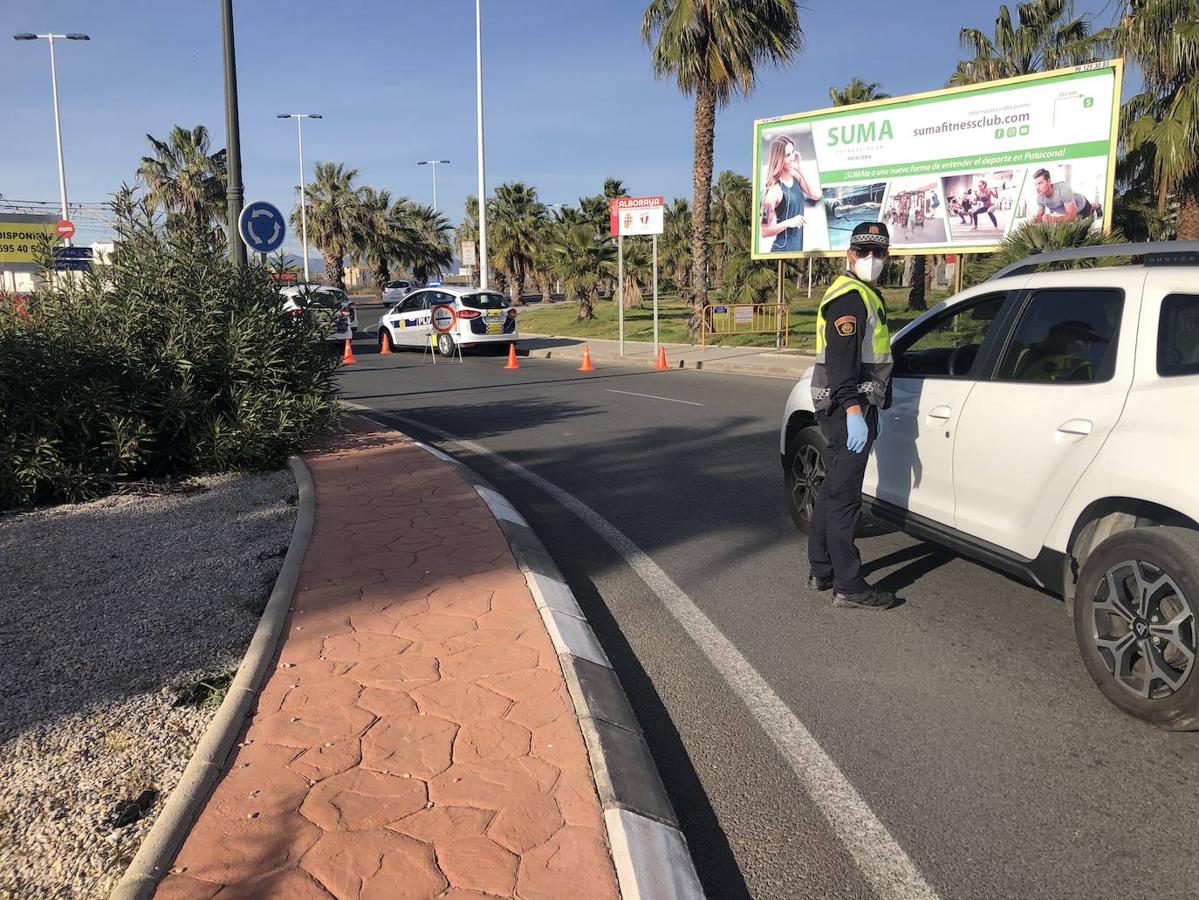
[803, 474]
[1135, 623]
[445, 345]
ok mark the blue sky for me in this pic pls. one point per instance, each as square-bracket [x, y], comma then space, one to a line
[569, 91]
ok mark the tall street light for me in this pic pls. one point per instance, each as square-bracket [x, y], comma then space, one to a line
[51, 38]
[482, 165]
[299, 117]
[234, 192]
[434, 163]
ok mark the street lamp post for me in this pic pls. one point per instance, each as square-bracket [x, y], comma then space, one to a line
[62, 172]
[299, 117]
[234, 191]
[434, 163]
[482, 166]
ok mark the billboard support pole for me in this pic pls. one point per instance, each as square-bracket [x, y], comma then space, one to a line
[778, 311]
[811, 261]
[655, 240]
[620, 287]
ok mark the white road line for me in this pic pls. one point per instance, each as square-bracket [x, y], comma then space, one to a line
[655, 397]
[882, 862]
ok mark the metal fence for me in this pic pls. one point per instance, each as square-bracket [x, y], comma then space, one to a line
[725, 319]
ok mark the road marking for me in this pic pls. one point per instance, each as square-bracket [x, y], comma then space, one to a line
[655, 397]
[885, 866]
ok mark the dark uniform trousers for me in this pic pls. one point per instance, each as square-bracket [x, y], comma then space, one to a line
[838, 510]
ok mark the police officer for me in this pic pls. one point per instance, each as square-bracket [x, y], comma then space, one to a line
[850, 384]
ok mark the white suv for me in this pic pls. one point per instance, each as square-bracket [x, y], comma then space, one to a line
[1045, 423]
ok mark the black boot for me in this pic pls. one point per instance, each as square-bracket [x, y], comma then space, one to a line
[871, 598]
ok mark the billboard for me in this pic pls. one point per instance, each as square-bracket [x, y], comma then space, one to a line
[20, 236]
[950, 171]
[632, 216]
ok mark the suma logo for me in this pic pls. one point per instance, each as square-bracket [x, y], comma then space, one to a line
[860, 133]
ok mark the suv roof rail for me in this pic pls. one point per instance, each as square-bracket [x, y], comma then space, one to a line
[1159, 253]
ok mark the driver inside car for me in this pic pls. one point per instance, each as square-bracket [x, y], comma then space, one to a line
[1068, 346]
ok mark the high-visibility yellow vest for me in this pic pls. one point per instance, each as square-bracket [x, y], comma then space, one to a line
[875, 373]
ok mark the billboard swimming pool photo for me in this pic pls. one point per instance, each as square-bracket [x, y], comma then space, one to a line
[950, 171]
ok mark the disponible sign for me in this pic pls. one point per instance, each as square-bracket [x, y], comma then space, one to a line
[631, 216]
[949, 171]
[24, 240]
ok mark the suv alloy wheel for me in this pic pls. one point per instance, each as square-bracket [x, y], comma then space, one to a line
[1135, 622]
[804, 474]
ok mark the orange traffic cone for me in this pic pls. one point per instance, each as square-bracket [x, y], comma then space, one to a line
[587, 366]
[347, 358]
[512, 363]
[661, 363]
[384, 343]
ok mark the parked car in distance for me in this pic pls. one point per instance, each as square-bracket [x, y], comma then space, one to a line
[481, 317]
[1043, 423]
[395, 291]
[318, 297]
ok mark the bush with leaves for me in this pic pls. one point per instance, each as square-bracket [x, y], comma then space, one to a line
[1033, 238]
[166, 362]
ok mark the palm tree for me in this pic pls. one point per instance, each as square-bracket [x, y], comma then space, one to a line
[674, 246]
[730, 228]
[425, 244]
[1033, 238]
[1047, 35]
[613, 188]
[1163, 37]
[582, 259]
[516, 217]
[334, 217]
[857, 91]
[183, 179]
[376, 246]
[713, 49]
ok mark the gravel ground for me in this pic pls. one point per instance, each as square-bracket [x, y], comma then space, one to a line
[109, 612]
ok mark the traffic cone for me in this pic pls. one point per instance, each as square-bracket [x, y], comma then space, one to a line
[385, 344]
[661, 363]
[587, 366]
[512, 363]
[347, 358]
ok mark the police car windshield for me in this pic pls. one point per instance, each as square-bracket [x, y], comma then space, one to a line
[485, 300]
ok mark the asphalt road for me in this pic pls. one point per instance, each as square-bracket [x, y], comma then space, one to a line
[963, 718]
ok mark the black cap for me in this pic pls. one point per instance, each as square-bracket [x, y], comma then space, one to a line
[870, 234]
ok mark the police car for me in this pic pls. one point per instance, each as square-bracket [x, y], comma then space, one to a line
[1043, 422]
[450, 317]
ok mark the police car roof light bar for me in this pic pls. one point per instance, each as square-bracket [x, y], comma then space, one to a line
[1160, 253]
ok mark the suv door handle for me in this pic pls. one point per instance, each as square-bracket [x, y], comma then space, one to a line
[1076, 426]
[940, 412]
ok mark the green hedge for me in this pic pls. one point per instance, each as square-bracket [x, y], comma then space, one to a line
[167, 362]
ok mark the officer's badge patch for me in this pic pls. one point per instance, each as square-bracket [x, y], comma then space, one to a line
[846, 325]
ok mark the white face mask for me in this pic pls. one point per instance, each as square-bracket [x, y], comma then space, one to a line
[868, 268]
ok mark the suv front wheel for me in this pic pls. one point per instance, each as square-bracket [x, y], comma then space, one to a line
[803, 474]
[1134, 619]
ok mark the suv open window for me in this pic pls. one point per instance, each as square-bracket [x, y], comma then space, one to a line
[948, 345]
[1065, 336]
[1178, 336]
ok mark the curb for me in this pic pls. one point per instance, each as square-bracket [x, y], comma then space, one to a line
[648, 849]
[700, 365]
[203, 770]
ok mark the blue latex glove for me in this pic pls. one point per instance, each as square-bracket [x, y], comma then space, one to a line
[856, 433]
